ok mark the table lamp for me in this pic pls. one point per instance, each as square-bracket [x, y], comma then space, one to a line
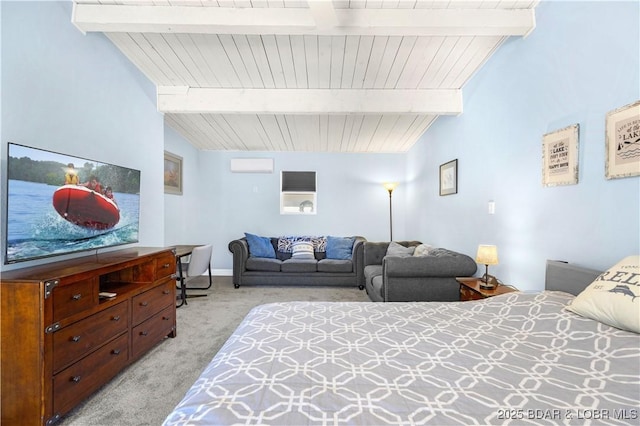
[487, 255]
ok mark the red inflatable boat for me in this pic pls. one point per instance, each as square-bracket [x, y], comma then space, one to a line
[86, 208]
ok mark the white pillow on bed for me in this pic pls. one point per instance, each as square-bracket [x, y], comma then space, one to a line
[614, 297]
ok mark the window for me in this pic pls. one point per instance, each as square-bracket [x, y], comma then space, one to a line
[298, 193]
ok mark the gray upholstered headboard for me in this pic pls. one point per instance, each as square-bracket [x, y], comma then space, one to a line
[561, 276]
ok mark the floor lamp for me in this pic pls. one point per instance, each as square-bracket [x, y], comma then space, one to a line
[390, 187]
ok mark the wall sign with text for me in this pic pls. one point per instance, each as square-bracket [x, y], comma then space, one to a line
[623, 142]
[560, 156]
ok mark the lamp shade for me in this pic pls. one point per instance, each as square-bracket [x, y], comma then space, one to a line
[487, 255]
[390, 186]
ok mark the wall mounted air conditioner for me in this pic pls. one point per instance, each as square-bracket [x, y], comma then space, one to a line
[252, 165]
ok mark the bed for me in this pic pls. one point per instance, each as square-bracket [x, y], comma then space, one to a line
[515, 358]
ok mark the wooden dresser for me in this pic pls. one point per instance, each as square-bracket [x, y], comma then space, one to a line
[60, 341]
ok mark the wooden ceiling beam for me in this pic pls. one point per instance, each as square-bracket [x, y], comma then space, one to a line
[179, 99]
[323, 14]
[319, 19]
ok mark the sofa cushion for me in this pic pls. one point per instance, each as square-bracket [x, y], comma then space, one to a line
[442, 252]
[319, 244]
[283, 255]
[422, 250]
[339, 247]
[399, 250]
[371, 271]
[335, 265]
[263, 264]
[260, 246]
[285, 243]
[299, 265]
[302, 250]
[376, 286]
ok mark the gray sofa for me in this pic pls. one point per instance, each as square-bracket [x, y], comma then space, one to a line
[414, 278]
[284, 270]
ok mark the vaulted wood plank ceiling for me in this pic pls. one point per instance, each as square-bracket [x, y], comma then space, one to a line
[307, 75]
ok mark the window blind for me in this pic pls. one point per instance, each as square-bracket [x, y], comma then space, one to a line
[298, 181]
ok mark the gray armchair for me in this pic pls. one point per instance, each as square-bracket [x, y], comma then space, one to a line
[414, 278]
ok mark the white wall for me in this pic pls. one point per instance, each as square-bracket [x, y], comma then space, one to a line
[77, 94]
[350, 198]
[580, 62]
[182, 212]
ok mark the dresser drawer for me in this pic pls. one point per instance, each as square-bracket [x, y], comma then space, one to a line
[152, 301]
[72, 342]
[73, 298]
[153, 330]
[75, 383]
[165, 265]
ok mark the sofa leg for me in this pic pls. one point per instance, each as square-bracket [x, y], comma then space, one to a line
[236, 285]
[361, 287]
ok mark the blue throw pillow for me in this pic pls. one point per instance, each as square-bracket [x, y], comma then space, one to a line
[339, 247]
[260, 246]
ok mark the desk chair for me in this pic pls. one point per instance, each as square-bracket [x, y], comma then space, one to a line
[199, 262]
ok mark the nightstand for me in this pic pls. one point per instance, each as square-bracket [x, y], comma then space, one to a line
[470, 289]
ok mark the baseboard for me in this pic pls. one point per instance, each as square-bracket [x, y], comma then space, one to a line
[216, 272]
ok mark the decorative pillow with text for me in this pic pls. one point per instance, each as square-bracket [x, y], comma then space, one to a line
[614, 297]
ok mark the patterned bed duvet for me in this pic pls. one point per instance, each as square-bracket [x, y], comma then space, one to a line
[512, 359]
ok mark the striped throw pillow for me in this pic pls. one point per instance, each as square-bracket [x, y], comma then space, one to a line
[302, 250]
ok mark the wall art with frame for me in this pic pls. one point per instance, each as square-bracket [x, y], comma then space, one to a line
[622, 136]
[560, 156]
[172, 174]
[449, 178]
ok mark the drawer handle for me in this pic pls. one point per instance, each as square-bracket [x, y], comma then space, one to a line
[75, 339]
[166, 318]
[76, 296]
[116, 352]
[165, 292]
[166, 265]
[144, 333]
[116, 318]
[144, 303]
[76, 379]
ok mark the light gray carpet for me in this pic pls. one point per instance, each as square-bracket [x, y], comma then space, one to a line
[147, 391]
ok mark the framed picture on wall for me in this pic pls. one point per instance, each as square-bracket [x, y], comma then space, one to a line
[449, 178]
[172, 174]
[560, 156]
[623, 142]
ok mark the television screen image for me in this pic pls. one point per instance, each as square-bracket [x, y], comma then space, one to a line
[59, 204]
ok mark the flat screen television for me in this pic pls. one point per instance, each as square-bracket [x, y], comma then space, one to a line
[59, 204]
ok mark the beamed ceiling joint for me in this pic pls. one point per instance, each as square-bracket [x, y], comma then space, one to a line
[314, 75]
[319, 19]
[179, 99]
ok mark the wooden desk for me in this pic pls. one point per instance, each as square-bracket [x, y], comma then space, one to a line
[182, 251]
